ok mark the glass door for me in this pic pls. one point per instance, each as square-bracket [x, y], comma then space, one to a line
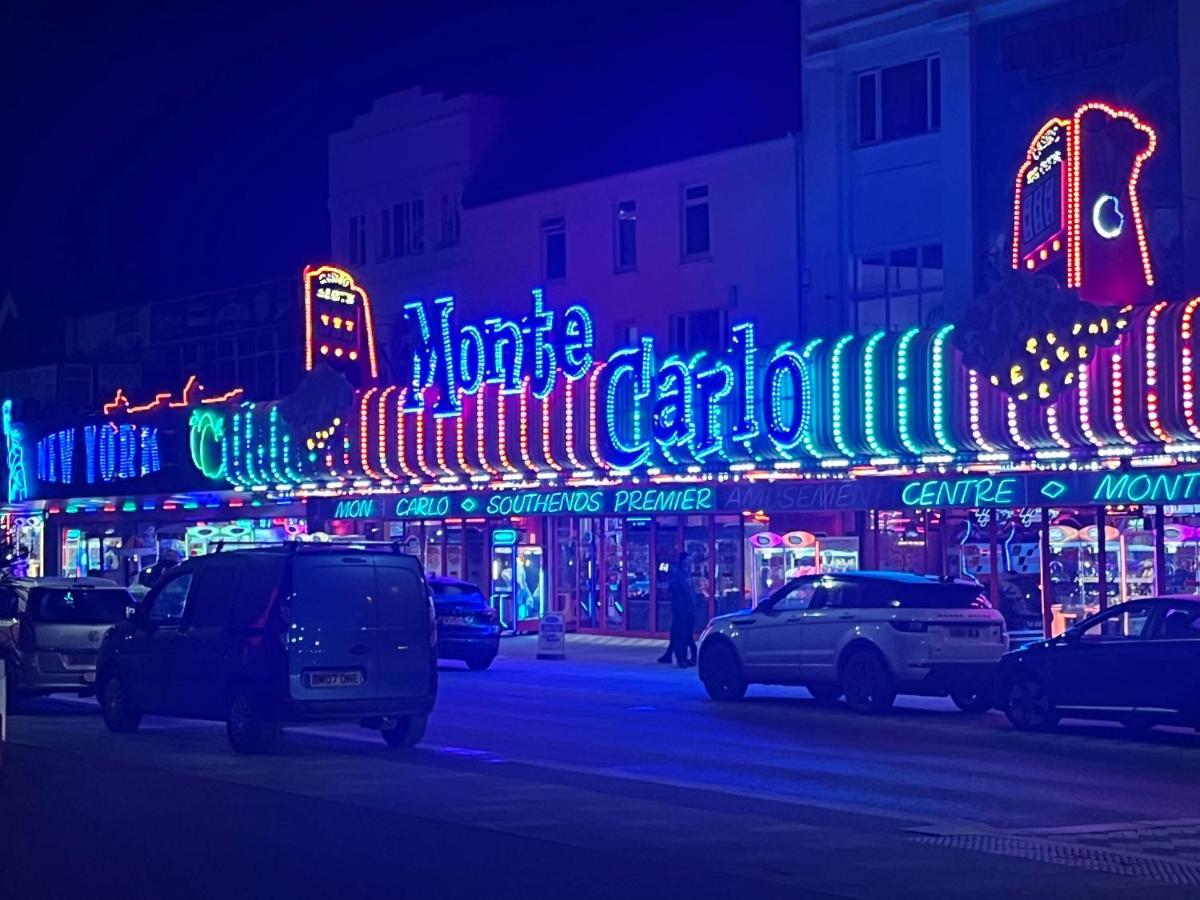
[638, 560]
[614, 574]
[666, 556]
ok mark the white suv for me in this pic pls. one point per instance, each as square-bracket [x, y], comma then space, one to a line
[865, 635]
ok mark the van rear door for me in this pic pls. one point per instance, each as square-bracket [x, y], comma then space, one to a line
[407, 660]
[332, 634]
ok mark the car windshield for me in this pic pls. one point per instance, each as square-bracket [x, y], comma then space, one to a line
[80, 605]
[452, 589]
[936, 595]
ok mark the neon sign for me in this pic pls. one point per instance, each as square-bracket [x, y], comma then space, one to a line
[339, 329]
[969, 492]
[14, 437]
[1070, 171]
[111, 453]
[1145, 487]
[702, 406]
[461, 360]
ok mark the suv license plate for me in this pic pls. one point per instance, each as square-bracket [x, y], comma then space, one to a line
[334, 679]
[454, 620]
[973, 633]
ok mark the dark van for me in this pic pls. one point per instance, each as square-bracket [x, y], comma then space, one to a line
[259, 637]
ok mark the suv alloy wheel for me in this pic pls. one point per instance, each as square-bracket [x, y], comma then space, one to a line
[867, 683]
[720, 672]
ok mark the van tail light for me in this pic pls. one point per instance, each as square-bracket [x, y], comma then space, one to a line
[910, 627]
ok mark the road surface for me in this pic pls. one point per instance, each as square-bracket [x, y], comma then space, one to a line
[603, 775]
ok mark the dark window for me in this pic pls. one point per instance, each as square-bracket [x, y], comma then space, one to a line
[841, 594]
[933, 595]
[1177, 622]
[79, 605]
[213, 597]
[900, 101]
[1119, 624]
[356, 249]
[798, 597]
[899, 289]
[332, 592]
[402, 599]
[703, 329]
[868, 107]
[168, 605]
[257, 586]
[626, 238]
[452, 588]
[554, 247]
[695, 221]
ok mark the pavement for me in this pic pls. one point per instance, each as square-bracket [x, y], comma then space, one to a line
[601, 774]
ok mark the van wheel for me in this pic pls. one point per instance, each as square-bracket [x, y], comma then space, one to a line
[867, 683]
[250, 730]
[721, 674]
[407, 732]
[824, 694]
[479, 663]
[117, 706]
[1028, 706]
[972, 698]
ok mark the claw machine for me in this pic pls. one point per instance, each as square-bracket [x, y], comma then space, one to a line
[518, 580]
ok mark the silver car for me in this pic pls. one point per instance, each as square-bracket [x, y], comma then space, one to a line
[50, 630]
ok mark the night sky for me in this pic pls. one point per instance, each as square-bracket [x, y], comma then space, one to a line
[155, 154]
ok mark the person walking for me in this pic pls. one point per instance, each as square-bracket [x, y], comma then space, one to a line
[683, 615]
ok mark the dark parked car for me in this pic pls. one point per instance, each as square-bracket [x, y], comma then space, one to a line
[1136, 663]
[50, 630]
[468, 628]
[264, 636]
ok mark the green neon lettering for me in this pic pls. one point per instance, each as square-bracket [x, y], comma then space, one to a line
[904, 494]
[1166, 487]
[1188, 480]
[928, 493]
[1005, 491]
[1110, 486]
[1140, 487]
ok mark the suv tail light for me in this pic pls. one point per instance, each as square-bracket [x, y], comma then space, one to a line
[488, 616]
[909, 626]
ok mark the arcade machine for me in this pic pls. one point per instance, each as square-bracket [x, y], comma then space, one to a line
[518, 581]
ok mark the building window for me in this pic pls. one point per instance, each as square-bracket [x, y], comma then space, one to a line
[626, 333]
[626, 237]
[703, 329]
[554, 248]
[451, 221]
[898, 288]
[402, 230]
[900, 101]
[695, 221]
[356, 247]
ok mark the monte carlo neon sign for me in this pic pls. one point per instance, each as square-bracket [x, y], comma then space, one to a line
[669, 407]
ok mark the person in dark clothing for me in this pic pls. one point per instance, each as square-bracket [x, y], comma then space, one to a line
[683, 616]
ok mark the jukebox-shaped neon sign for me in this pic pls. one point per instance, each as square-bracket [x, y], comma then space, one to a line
[1076, 205]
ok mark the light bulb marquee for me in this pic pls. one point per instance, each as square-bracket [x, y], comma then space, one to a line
[525, 403]
[1076, 203]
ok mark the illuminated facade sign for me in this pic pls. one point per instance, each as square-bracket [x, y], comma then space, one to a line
[538, 349]
[1077, 205]
[506, 503]
[99, 453]
[338, 326]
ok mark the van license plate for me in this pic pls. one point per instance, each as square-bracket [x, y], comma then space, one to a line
[964, 632]
[334, 679]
